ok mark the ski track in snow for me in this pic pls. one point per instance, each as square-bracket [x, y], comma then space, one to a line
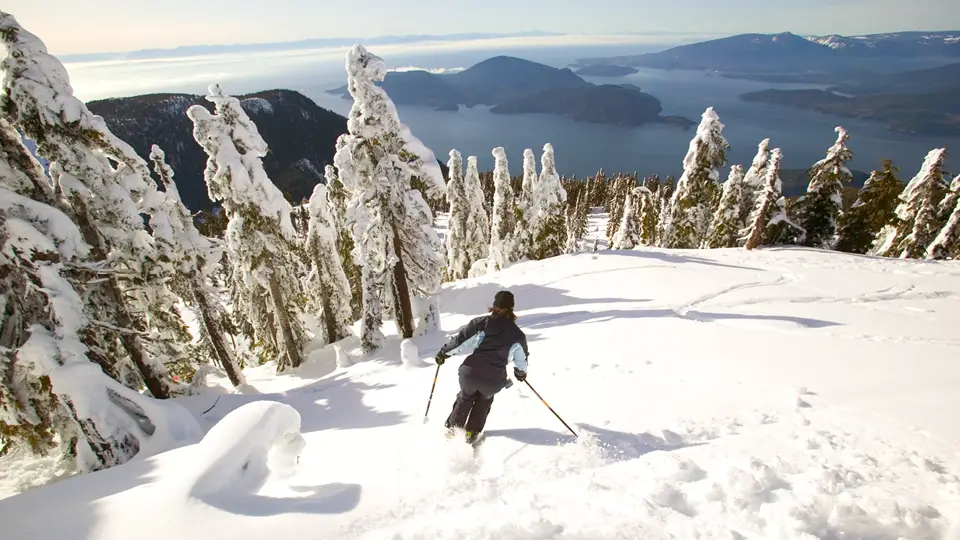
[789, 394]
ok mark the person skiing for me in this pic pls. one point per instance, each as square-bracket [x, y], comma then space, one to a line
[495, 340]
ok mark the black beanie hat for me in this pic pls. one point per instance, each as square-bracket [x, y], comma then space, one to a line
[503, 300]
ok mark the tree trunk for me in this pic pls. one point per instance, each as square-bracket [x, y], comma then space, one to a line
[290, 351]
[328, 318]
[756, 235]
[153, 380]
[404, 312]
[214, 328]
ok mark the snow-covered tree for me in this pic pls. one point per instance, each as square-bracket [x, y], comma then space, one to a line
[194, 259]
[504, 219]
[647, 216]
[458, 257]
[725, 231]
[54, 392]
[817, 210]
[769, 223]
[260, 237]
[104, 200]
[547, 224]
[857, 228]
[628, 233]
[337, 197]
[691, 207]
[918, 218]
[618, 198]
[754, 181]
[395, 242]
[947, 243]
[477, 241]
[327, 285]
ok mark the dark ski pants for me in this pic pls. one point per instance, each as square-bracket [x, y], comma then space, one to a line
[472, 405]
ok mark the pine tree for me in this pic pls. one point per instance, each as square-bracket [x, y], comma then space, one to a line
[769, 223]
[54, 391]
[102, 199]
[260, 236]
[195, 259]
[395, 242]
[725, 231]
[458, 257]
[918, 218]
[525, 215]
[337, 197]
[618, 193]
[329, 290]
[817, 211]
[691, 207]
[875, 207]
[504, 213]
[477, 241]
[648, 216]
[548, 228]
[628, 233]
[755, 181]
[947, 243]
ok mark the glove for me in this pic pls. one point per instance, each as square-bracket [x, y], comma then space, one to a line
[441, 358]
[520, 375]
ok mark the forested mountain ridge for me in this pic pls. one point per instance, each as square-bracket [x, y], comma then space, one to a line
[301, 136]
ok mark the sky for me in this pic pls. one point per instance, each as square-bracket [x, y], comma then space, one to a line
[124, 25]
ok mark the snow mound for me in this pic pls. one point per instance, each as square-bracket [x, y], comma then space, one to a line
[410, 355]
[249, 445]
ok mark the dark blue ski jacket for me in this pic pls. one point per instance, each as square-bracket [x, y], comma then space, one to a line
[495, 341]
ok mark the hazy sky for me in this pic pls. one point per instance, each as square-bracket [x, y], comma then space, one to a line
[83, 26]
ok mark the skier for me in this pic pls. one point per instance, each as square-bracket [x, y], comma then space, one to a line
[495, 340]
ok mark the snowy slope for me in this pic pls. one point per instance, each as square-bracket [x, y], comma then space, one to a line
[781, 393]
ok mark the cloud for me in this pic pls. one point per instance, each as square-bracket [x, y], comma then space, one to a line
[435, 71]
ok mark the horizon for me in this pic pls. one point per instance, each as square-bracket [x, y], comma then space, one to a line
[251, 23]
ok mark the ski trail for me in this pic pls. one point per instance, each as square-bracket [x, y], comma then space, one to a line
[701, 300]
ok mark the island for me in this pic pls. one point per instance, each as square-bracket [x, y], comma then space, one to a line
[516, 86]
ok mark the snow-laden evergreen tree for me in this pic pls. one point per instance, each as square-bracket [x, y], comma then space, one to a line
[628, 233]
[691, 207]
[260, 237]
[327, 286]
[618, 198]
[725, 231]
[395, 242]
[769, 223]
[458, 257]
[337, 198]
[522, 236]
[817, 210]
[755, 181]
[947, 243]
[547, 209]
[194, 259]
[875, 207]
[504, 219]
[646, 215]
[477, 240]
[918, 218]
[54, 392]
[104, 200]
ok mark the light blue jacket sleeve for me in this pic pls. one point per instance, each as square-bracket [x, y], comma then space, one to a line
[469, 345]
[517, 356]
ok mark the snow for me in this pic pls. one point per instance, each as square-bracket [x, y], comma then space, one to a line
[777, 393]
[410, 355]
[258, 105]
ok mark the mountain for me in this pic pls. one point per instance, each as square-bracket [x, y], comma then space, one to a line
[790, 53]
[604, 104]
[301, 137]
[517, 86]
[777, 393]
[921, 81]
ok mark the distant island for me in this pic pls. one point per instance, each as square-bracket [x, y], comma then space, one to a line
[603, 70]
[516, 86]
[880, 77]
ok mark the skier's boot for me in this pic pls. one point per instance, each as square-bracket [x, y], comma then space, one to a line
[451, 433]
[471, 437]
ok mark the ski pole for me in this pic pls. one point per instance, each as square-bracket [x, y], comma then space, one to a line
[551, 409]
[435, 375]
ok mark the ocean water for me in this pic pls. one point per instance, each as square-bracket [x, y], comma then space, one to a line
[581, 148]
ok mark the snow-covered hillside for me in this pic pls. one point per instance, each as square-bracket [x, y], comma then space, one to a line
[780, 393]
